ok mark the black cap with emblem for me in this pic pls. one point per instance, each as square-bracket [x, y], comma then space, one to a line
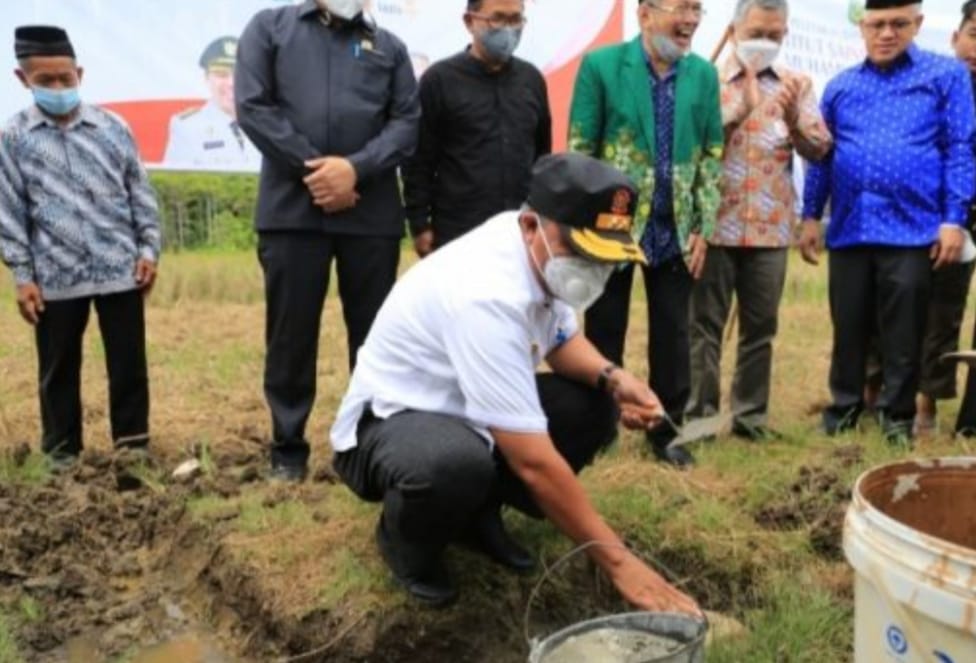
[221, 53]
[41, 41]
[594, 199]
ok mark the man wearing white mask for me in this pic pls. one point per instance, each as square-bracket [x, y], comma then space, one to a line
[485, 122]
[446, 419]
[768, 112]
[330, 100]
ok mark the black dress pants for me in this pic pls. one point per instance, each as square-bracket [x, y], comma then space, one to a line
[668, 289]
[892, 284]
[435, 475]
[59, 336]
[296, 279]
[966, 422]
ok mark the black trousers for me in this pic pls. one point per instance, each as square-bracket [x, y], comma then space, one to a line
[59, 336]
[296, 279]
[947, 307]
[886, 289]
[668, 289]
[943, 326]
[434, 474]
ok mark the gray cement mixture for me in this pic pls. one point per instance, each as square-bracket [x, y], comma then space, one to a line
[610, 645]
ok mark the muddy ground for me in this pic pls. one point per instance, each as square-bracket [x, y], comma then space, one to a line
[113, 568]
[105, 558]
[111, 564]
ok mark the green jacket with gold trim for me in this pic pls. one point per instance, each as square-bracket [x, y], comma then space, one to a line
[611, 118]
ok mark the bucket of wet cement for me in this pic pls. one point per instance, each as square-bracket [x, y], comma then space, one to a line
[624, 637]
[636, 637]
[910, 535]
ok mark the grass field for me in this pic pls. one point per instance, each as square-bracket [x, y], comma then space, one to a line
[753, 531]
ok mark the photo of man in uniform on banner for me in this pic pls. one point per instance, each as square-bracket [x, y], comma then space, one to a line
[208, 136]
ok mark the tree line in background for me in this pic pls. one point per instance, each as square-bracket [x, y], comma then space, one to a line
[204, 210]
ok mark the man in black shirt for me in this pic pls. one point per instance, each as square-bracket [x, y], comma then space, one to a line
[330, 100]
[485, 122]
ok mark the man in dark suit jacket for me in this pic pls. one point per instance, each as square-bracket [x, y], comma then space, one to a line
[331, 101]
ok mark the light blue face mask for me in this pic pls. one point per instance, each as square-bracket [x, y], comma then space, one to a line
[56, 102]
[500, 43]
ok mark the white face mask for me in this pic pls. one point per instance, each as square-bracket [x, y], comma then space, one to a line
[757, 54]
[344, 9]
[573, 279]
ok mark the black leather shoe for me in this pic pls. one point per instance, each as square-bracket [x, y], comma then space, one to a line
[675, 456]
[489, 537]
[755, 433]
[61, 462]
[433, 588]
[838, 422]
[288, 473]
[898, 434]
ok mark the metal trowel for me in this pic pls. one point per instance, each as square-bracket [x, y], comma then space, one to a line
[698, 429]
[693, 431]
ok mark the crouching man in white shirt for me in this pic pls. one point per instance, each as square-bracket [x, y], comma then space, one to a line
[446, 419]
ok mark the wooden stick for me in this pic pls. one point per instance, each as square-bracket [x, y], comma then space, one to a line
[721, 45]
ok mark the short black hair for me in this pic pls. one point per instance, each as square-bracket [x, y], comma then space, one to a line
[968, 12]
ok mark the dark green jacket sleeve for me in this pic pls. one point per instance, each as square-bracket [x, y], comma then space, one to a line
[586, 113]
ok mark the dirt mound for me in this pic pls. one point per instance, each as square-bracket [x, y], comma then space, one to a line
[816, 501]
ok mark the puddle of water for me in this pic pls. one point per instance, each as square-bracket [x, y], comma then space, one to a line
[184, 650]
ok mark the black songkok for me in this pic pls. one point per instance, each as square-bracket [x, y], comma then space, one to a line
[41, 40]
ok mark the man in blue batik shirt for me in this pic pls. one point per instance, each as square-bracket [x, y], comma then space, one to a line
[899, 181]
[79, 228]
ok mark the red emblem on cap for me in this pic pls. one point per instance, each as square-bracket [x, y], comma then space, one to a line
[621, 202]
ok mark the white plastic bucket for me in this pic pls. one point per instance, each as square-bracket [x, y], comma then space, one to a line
[910, 535]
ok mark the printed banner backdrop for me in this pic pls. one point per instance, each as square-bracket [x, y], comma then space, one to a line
[141, 59]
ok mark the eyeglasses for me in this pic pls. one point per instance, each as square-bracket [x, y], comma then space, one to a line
[695, 10]
[897, 25]
[499, 21]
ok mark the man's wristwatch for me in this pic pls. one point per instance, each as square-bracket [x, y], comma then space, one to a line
[603, 379]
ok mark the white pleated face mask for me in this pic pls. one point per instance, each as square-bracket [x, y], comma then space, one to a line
[345, 9]
[574, 279]
[758, 54]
